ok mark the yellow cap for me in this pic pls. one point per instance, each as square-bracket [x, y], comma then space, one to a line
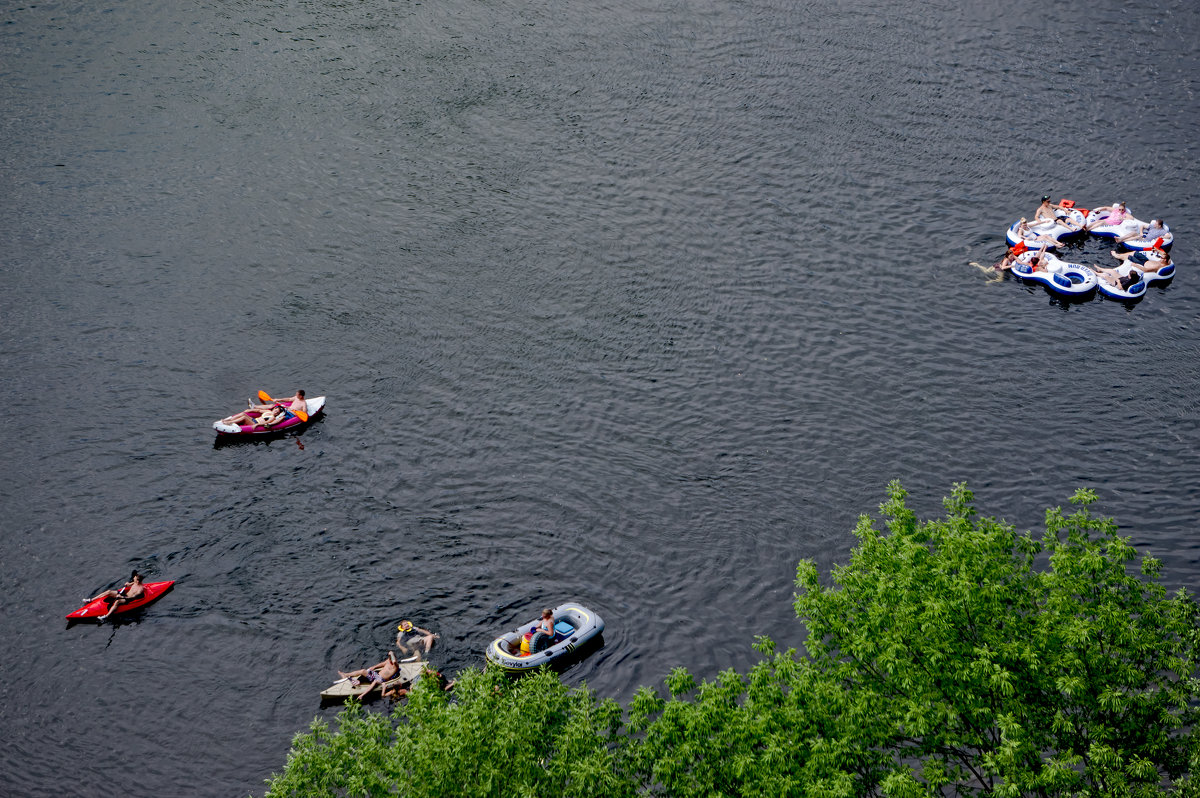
[405, 626]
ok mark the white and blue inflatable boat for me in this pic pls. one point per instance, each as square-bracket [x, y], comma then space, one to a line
[1134, 292]
[1138, 289]
[524, 649]
[1065, 279]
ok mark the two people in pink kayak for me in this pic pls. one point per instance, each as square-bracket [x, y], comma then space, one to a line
[268, 414]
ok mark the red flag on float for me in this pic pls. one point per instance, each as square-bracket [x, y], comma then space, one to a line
[1157, 243]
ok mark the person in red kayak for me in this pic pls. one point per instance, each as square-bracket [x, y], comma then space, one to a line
[133, 589]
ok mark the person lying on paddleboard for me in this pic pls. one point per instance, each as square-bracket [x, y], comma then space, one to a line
[133, 589]
[377, 674]
[413, 641]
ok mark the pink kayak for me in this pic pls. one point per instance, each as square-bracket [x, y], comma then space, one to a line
[94, 609]
[314, 407]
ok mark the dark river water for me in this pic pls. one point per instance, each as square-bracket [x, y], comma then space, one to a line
[636, 304]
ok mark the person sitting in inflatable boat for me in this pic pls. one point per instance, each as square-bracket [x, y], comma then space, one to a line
[293, 403]
[1123, 277]
[543, 633]
[1049, 211]
[1153, 231]
[1029, 235]
[1039, 262]
[1153, 260]
[1116, 214]
[1057, 214]
[1045, 211]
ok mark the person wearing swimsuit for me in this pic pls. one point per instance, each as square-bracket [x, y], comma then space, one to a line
[1045, 211]
[294, 403]
[418, 645]
[273, 413]
[1149, 261]
[1115, 215]
[378, 674]
[544, 635]
[133, 589]
[268, 415]
[1009, 259]
[1028, 234]
[1122, 276]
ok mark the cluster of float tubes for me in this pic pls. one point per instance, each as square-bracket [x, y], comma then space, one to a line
[1077, 281]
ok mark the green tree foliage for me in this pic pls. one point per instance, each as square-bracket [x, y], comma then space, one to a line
[948, 657]
[992, 663]
[497, 737]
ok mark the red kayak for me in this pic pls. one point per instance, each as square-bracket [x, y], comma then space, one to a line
[94, 609]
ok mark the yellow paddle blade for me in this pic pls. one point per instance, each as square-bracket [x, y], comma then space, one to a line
[266, 397]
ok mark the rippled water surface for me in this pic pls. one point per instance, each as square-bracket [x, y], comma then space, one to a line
[630, 303]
